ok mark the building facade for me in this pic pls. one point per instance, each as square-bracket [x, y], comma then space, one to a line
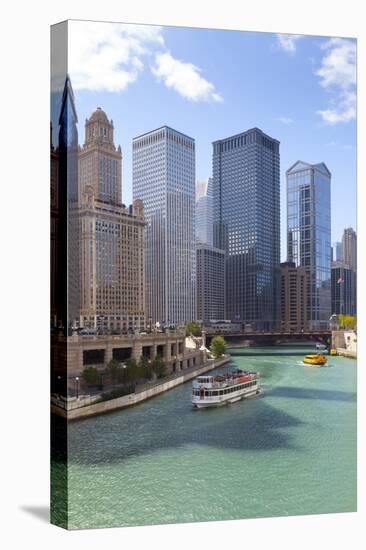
[210, 283]
[294, 315]
[65, 229]
[344, 298]
[308, 235]
[112, 236]
[246, 193]
[54, 229]
[349, 248]
[164, 179]
[204, 212]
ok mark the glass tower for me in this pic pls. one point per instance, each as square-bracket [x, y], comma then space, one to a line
[308, 234]
[67, 244]
[204, 212]
[164, 179]
[246, 192]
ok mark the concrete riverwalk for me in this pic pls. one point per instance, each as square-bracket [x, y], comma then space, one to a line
[76, 409]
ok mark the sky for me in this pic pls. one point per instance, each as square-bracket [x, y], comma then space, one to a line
[211, 84]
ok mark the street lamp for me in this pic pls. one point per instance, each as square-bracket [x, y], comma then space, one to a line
[77, 387]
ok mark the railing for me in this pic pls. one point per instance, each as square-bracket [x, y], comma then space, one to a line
[278, 334]
[141, 336]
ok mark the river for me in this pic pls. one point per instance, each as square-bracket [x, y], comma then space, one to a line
[290, 451]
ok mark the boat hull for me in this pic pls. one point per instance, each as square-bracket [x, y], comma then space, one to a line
[206, 404]
[318, 360]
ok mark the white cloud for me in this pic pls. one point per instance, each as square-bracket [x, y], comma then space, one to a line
[286, 120]
[185, 78]
[337, 74]
[287, 42]
[107, 56]
[111, 56]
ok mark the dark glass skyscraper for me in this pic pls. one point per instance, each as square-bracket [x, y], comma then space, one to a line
[67, 243]
[246, 192]
[308, 234]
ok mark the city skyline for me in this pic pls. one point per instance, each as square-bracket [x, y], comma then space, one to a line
[316, 126]
[107, 187]
[186, 284]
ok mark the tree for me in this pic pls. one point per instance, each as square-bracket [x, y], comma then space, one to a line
[193, 327]
[347, 321]
[218, 346]
[92, 376]
[145, 368]
[132, 370]
[158, 366]
[115, 370]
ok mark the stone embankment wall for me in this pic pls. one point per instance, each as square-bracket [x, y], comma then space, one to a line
[137, 397]
[345, 342]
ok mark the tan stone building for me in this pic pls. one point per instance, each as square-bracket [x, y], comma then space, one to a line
[294, 317]
[112, 236]
[96, 351]
[349, 248]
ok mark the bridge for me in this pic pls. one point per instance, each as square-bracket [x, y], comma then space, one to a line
[237, 339]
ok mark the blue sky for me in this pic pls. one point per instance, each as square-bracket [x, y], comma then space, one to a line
[210, 84]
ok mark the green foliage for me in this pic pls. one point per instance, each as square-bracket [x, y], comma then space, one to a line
[145, 370]
[132, 372]
[115, 370]
[192, 327]
[158, 366]
[218, 346]
[92, 376]
[348, 322]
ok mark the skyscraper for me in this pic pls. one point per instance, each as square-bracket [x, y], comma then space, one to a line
[112, 244]
[210, 283]
[65, 237]
[100, 161]
[343, 289]
[293, 298]
[204, 212]
[246, 189]
[349, 248]
[164, 179]
[337, 252]
[308, 234]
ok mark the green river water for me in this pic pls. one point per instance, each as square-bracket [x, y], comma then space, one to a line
[292, 450]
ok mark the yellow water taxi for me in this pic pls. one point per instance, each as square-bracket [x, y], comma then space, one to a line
[315, 359]
[333, 352]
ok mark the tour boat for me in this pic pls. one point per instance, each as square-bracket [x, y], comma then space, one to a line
[315, 359]
[213, 391]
